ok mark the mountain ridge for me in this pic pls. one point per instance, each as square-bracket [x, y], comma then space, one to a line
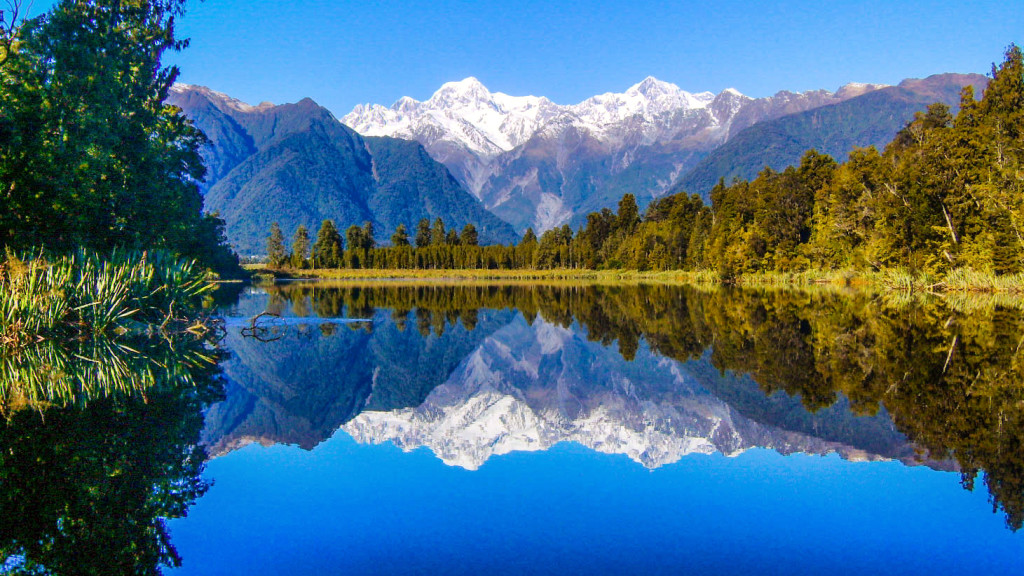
[540, 164]
[297, 164]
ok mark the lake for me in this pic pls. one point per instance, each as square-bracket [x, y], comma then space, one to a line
[536, 428]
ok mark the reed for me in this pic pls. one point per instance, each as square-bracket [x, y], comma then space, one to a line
[83, 294]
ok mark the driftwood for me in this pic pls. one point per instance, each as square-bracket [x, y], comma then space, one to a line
[260, 332]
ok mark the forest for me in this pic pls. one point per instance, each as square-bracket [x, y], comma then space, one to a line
[944, 199]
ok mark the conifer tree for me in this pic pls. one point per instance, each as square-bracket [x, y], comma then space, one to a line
[300, 247]
[400, 237]
[469, 236]
[277, 252]
[423, 234]
[369, 242]
[328, 247]
[438, 235]
[628, 215]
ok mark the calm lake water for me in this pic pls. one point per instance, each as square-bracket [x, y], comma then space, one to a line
[407, 429]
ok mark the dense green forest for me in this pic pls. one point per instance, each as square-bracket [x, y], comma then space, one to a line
[90, 155]
[947, 194]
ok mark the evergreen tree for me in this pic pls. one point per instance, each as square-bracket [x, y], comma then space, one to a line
[469, 236]
[438, 235]
[328, 247]
[529, 237]
[628, 215]
[277, 252]
[369, 242]
[423, 234]
[400, 237]
[300, 247]
[451, 238]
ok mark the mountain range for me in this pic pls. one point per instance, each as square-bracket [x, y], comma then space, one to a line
[505, 163]
[540, 164]
[296, 164]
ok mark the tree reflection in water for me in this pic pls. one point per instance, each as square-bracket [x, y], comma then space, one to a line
[948, 370]
[98, 446]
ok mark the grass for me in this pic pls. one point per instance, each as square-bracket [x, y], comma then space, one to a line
[461, 275]
[958, 281]
[85, 294]
[85, 325]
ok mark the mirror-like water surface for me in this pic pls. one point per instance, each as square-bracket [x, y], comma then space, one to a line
[399, 428]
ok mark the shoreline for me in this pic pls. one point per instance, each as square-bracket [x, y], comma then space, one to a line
[959, 281]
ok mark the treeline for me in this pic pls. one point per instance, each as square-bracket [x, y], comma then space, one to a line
[433, 246]
[945, 194]
[90, 156]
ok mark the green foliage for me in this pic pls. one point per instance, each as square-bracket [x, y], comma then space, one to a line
[300, 248]
[328, 248]
[401, 237]
[423, 233]
[87, 294]
[469, 236]
[277, 252]
[89, 154]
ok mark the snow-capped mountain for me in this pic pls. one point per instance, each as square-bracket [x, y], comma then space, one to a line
[527, 388]
[541, 164]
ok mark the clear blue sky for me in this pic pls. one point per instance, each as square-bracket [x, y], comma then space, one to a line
[341, 53]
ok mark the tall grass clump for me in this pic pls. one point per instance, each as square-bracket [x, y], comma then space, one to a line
[84, 294]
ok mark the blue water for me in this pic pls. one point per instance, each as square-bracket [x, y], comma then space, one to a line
[516, 398]
[346, 508]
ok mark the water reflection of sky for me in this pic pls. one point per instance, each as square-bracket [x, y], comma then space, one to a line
[347, 508]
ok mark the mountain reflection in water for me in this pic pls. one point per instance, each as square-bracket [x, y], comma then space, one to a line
[652, 372]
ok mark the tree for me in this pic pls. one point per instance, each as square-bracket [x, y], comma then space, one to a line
[89, 154]
[400, 237]
[11, 21]
[328, 247]
[469, 236]
[451, 238]
[423, 233]
[300, 247]
[629, 214]
[438, 235]
[529, 237]
[369, 242]
[277, 252]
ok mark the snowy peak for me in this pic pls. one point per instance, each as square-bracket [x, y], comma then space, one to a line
[463, 113]
[466, 92]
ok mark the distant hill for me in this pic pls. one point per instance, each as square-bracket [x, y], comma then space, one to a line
[296, 164]
[872, 119]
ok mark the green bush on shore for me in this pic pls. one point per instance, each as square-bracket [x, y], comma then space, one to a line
[85, 294]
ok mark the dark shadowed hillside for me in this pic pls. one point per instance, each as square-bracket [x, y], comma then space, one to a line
[296, 164]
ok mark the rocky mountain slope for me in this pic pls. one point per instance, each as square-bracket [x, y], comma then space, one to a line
[540, 164]
[296, 164]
